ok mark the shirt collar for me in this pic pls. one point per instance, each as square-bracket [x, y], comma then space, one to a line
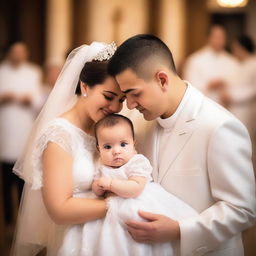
[168, 123]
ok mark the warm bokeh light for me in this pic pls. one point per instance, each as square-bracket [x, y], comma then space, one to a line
[232, 3]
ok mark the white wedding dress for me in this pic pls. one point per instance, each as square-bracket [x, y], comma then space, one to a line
[82, 148]
[109, 236]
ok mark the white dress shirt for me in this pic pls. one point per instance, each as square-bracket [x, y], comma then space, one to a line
[16, 120]
[167, 124]
[243, 94]
[205, 66]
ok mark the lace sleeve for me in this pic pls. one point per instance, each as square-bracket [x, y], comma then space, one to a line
[53, 133]
[139, 166]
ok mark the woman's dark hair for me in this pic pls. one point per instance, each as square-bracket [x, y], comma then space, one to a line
[112, 120]
[93, 73]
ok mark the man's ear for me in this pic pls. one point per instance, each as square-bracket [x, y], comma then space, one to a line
[163, 79]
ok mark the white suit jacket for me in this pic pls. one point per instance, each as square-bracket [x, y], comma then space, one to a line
[208, 165]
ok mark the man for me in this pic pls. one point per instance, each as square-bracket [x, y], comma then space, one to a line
[198, 150]
[211, 68]
[241, 96]
[19, 93]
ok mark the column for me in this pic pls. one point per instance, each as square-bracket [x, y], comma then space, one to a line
[58, 30]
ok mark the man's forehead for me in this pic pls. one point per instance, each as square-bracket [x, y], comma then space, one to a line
[126, 75]
[128, 80]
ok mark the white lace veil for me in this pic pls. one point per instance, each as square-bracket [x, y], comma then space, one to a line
[35, 229]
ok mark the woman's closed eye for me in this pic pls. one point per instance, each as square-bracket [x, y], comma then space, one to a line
[109, 98]
[122, 99]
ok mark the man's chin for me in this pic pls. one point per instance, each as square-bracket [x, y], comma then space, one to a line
[149, 117]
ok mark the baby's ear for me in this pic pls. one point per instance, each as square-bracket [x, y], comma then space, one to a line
[97, 146]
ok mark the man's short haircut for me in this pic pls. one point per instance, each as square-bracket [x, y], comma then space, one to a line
[110, 121]
[136, 51]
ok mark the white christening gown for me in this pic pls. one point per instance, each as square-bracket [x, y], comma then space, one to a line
[109, 236]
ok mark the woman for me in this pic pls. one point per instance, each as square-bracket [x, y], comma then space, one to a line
[58, 164]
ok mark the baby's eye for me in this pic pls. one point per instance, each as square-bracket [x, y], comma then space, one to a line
[123, 144]
[107, 147]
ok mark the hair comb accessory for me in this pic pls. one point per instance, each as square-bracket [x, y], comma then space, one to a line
[106, 53]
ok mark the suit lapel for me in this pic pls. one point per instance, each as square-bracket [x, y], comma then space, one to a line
[182, 131]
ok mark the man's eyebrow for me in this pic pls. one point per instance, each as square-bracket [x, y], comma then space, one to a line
[111, 92]
[127, 91]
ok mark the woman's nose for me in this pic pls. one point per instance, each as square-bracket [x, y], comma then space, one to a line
[131, 104]
[116, 107]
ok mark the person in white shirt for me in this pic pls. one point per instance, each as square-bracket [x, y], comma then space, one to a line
[212, 67]
[20, 84]
[199, 152]
[241, 96]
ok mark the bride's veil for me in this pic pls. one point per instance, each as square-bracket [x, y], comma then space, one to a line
[34, 227]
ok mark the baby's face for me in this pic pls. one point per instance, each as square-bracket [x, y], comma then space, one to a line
[116, 144]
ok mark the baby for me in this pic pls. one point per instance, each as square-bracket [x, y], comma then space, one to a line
[122, 171]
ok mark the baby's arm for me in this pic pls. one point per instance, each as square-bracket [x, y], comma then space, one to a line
[97, 189]
[124, 188]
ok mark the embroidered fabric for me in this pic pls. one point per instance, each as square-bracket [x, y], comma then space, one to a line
[69, 138]
[138, 165]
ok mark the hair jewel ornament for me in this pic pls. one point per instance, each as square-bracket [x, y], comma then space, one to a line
[106, 53]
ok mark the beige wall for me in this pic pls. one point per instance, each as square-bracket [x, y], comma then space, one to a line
[172, 27]
[116, 20]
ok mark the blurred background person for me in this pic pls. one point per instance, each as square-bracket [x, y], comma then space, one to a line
[20, 83]
[50, 74]
[211, 68]
[240, 97]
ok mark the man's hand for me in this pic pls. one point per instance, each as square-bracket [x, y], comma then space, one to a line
[158, 228]
[25, 101]
[7, 98]
[215, 85]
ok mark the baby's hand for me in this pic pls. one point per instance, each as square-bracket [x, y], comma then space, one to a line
[105, 183]
[97, 189]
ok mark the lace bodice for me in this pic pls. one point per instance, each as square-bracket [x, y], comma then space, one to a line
[77, 143]
[138, 165]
